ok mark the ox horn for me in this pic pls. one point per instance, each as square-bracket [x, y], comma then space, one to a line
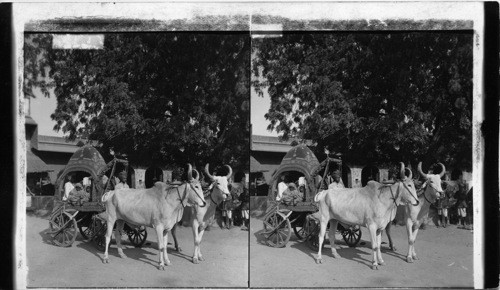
[208, 173]
[410, 173]
[443, 170]
[230, 173]
[197, 177]
[419, 169]
[190, 172]
[401, 170]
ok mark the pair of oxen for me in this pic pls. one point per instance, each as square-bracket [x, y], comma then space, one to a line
[374, 206]
[161, 207]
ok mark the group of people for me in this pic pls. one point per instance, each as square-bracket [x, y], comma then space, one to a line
[292, 192]
[457, 196]
[79, 192]
[237, 204]
[75, 193]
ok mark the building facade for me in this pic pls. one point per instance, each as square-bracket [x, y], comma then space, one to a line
[267, 152]
[47, 156]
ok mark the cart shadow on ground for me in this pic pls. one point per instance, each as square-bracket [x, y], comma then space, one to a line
[46, 237]
[260, 238]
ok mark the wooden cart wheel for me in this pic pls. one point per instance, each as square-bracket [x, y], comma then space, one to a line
[137, 236]
[100, 234]
[303, 232]
[277, 229]
[65, 229]
[351, 235]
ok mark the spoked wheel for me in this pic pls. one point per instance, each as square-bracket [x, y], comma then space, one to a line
[351, 235]
[137, 236]
[303, 232]
[64, 229]
[277, 230]
[100, 228]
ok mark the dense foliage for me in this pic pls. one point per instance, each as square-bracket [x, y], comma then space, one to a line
[374, 97]
[164, 98]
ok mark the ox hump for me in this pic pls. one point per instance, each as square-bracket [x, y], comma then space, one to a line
[160, 186]
[373, 185]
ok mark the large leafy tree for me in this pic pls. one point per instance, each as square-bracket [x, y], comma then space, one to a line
[375, 97]
[163, 97]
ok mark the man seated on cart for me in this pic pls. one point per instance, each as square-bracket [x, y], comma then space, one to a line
[78, 195]
[281, 187]
[291, 196]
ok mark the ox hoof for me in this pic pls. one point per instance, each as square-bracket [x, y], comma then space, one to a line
[105, 261]
[195, 261]
[415, 257]
[382, 263]
[161, 267]
[392, 248]
[409, 259]
[374, 267]
[201, 259]
[168, 263]
[336, 256]
[123, 256]
[178, 249]
[319, 261]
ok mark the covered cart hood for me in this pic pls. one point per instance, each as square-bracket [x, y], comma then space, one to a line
[87, 159]
[299, 158]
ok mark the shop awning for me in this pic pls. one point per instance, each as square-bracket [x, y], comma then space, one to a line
[35, 164]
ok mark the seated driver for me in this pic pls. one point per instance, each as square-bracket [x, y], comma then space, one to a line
[78, 195]
[291, 195]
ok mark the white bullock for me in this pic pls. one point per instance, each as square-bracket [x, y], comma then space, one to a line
[372, 206]
[159, 207]
[218, 193]
[414, 214]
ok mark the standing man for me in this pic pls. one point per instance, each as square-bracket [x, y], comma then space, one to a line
[122, 183]
[462, 203]
[337, 181]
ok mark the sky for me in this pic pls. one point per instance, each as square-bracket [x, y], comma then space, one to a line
[259, 107]
[41, 109]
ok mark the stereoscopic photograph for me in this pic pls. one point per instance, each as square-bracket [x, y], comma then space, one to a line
[239, 145]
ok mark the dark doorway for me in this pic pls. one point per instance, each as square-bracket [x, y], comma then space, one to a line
[368, 173]
[153, 174]
[346, 176]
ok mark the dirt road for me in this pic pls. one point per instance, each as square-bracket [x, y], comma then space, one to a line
[446, 260]
[225, 265]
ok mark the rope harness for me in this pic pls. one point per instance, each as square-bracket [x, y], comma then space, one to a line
[398, 193]
[423, 193]
[185, 194]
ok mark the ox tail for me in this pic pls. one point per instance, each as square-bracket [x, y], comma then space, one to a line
[107, 195]
[320, 195]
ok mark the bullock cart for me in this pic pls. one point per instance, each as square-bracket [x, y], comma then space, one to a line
[67, 219]
[300, 163]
